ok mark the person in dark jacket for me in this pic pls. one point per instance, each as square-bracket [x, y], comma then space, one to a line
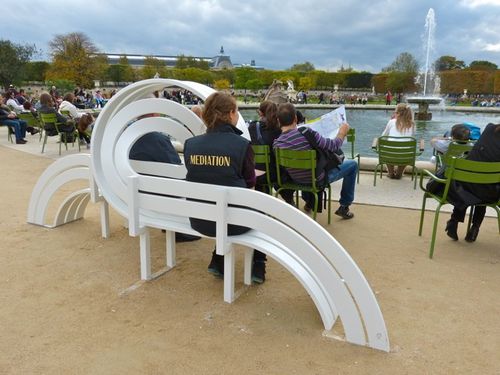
[47, 105]
[463, 195]
[222, 157]
[156, 146]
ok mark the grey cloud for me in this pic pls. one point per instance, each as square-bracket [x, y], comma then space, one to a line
[276, 34]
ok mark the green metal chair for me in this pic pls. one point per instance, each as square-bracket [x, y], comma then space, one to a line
[300, 160]
[351, 138]
[456, 149]
[31, 121]
[262, 155]
[462, 170]
[397, 151]
[10, 132]
[51, 118]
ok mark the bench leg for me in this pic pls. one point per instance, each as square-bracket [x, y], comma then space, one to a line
[104, 219]
[229, 275]
[247, 275]
[170, 248]
[145, 255]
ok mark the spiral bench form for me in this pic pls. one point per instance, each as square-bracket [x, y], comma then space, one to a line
[336, 285]
[67, 169]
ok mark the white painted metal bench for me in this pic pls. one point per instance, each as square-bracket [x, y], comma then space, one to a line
[331, 277]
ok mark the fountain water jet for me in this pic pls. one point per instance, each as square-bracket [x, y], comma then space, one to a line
[429, 73]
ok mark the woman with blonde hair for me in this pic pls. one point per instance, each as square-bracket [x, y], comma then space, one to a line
[400, 125]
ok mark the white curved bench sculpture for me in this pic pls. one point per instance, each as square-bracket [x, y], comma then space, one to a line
[331, 277]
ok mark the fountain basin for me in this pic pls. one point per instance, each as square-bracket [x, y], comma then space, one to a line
[423, 102]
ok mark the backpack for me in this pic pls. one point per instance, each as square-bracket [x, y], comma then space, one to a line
[325, 161]
[475, 131]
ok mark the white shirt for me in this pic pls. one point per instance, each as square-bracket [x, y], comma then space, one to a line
[17, 107]
[392, 131]
[70, 107]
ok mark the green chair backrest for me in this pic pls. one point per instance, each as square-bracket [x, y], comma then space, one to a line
[66, 113]
[476, 172]
[293, 159]
[351, 138]
[397, 150]
[29, 118]
[456, 149]
[262, 155]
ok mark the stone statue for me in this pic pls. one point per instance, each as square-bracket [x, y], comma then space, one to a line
[275, 93]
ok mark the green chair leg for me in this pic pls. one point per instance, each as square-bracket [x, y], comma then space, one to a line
[434, 229]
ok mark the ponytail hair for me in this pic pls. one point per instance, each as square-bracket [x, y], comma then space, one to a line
[217, 110]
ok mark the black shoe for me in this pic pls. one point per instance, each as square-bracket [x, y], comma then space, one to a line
[259, 272]
[343, 211]
[216, 266]
[451, 229]
[472, 233]
[182, 237]
[21, 141]
[32, 130]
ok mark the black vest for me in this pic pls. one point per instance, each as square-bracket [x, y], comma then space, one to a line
[216, 157]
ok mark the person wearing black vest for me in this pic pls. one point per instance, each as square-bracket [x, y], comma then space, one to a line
[222, 157]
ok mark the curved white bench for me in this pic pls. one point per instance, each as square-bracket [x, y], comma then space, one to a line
[330, 276]
[308, 251]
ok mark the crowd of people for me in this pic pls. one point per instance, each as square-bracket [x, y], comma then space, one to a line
[13, 103]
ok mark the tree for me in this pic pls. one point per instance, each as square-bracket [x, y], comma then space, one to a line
[36, 70]
[358, 79]
[254, 84]
[482, 65]
[221, 84]
[75, 58]
[243, 75]
[13, 59]
[152, 65]
[305, 83]
[184, 62]
[448, 63]
[304, 67]
[405, 62]
[121, 72]
[401, 82]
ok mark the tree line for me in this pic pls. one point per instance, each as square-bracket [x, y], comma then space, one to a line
[75, 60]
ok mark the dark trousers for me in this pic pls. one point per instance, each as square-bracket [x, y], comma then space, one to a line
[458, 214]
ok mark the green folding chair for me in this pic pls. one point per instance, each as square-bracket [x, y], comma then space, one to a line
[462, 170]
[262, 155]
[351, 138]
[32, 121]
[51, 118]
[455, 149]
[397, 151]
[306, 160]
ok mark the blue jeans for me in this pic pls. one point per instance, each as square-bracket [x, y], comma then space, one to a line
[347, 171]
[18, 125]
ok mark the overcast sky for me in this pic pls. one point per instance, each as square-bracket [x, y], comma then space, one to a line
[366, 35]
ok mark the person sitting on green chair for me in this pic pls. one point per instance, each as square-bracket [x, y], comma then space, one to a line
[459, 133]
[292, 138]
[463, 195]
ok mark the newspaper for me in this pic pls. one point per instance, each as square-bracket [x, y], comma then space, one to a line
[328, 125]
